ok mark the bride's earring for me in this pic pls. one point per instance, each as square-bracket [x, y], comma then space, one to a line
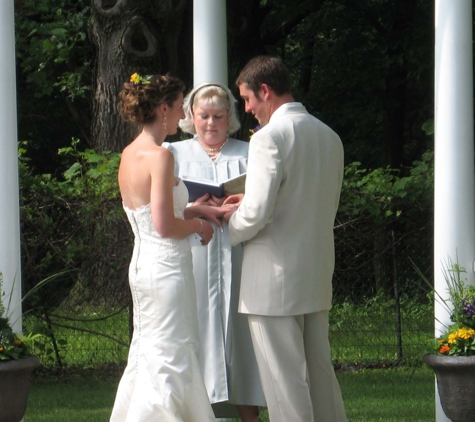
[165, 125]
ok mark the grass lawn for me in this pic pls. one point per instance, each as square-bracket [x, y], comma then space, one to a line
[400, 394]
[81, 397]
[389, 395]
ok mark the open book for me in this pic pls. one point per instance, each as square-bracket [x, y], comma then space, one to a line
[199, 187]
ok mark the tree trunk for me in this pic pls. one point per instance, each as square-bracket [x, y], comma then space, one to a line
[130, 36]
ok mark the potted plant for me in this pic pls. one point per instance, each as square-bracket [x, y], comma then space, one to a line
[452, 355]
[16, 367]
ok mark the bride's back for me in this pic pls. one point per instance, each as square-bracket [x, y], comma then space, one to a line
[134, 173]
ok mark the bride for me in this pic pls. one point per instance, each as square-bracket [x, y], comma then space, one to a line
[162, 380]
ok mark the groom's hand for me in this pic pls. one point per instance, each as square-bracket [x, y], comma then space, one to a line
[234, 199]
[232, 209]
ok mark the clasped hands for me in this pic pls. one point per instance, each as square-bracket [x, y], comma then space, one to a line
[213, 208]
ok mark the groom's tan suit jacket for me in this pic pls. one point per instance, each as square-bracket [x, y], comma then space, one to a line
[286, 218]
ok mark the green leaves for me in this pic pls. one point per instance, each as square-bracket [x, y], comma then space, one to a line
[89, 167]
[64, 217]
[52, 48]
[383, 192]
[14, 346]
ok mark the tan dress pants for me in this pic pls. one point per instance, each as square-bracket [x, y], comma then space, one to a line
[294, 360]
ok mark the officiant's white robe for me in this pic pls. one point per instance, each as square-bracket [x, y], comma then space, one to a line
[226, 353]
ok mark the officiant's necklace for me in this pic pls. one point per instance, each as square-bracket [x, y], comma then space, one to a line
[214, 152]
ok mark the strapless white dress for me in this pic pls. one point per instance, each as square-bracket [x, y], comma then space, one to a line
[162, 381]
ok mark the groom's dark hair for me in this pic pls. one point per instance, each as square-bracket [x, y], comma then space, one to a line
[266, 70]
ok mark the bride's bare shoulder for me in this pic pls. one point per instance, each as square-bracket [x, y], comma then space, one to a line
[158, 154]
[143, 151]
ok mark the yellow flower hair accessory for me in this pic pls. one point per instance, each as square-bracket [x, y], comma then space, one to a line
[136, 79]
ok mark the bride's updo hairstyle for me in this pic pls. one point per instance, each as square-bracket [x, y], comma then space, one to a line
[141, 96]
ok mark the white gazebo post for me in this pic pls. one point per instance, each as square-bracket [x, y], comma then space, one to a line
[210, 57]
[9, 186]
[454, 213]
[210, 47]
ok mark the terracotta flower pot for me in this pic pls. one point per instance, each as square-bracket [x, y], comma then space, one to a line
[456, 385]
[15, 380]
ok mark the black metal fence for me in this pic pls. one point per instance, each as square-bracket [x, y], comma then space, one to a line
[382, 314]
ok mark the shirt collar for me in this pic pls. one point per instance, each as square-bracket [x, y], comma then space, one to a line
[292, 107]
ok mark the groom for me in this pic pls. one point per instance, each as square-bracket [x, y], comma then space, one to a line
[286, 218]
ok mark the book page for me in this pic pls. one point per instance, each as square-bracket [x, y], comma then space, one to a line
[235, 185]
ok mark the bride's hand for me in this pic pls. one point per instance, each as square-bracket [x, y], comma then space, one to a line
[206, 232]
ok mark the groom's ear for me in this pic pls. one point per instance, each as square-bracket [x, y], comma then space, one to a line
[265, 91]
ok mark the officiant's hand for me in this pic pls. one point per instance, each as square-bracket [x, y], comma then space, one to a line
[216, 202]
[212, 201]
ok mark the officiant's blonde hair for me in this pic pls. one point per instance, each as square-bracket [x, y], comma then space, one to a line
[212, 94]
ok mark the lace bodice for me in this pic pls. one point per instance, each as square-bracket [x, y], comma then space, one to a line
[142, 224]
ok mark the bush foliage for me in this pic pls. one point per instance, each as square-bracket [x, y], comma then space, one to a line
[67, 218]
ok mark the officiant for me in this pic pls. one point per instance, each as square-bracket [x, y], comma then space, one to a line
[226, 354]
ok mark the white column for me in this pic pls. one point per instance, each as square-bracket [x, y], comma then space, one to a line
[454, 225]
[9, 186]
[210, 57]
[210, 53]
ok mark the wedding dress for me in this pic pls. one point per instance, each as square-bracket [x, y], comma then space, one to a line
[162, 381]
